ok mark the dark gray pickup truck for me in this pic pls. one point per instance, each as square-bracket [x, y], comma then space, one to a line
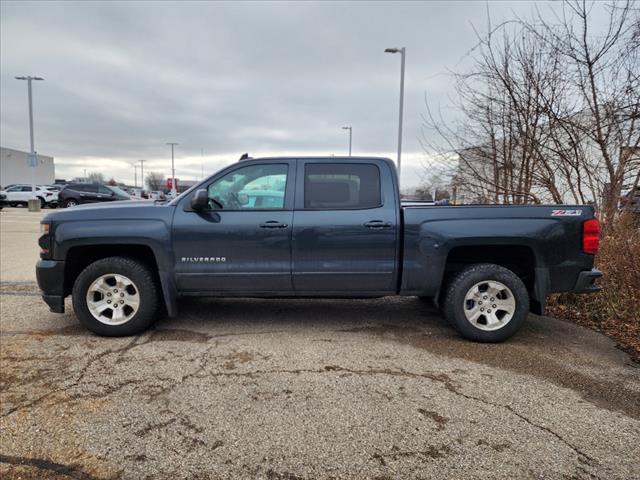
[313, 227]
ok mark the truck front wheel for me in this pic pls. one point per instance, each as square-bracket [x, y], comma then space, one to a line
[116, 296]
[486, 303]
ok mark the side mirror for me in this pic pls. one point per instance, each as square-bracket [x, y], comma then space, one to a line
[200, 200]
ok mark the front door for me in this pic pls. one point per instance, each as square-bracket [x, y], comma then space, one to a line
[242, 243]
[345, 237]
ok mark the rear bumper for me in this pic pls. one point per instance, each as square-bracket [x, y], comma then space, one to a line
[586, 282]
[50, 275]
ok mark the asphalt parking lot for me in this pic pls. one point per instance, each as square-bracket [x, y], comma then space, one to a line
[302, 389]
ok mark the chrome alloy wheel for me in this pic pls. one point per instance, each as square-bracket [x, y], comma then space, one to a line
[113, 299]
[489, 305]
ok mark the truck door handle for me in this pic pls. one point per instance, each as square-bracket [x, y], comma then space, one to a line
[273, 224]
[377, 224]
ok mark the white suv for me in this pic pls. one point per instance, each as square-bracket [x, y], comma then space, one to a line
[21, 193]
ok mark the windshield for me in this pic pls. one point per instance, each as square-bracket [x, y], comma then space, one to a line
[118, 191]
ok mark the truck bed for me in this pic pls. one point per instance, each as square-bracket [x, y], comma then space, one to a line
[547, 238]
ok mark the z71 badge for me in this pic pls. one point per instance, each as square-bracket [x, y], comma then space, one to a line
[566, 213]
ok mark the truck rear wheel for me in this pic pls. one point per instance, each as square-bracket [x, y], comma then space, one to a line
[116, 296]
[486, 303]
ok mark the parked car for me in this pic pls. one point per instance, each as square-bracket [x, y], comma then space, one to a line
[260, 198]
[339, 229]
[79, 193]
[137, 194]
[156, 195]
[3, 201]
[19, 194]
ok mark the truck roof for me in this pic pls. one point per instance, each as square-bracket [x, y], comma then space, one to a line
[316, 157]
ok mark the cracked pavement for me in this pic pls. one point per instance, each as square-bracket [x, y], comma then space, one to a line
[306, 389]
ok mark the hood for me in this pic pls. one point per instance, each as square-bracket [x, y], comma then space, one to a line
[126, 209]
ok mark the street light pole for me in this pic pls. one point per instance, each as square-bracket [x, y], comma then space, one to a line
[142, 172]
[33, 160]
[350, 128]
[135, 175]
[402, 52]
[173, 172]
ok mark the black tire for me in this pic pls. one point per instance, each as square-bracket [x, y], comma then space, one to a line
[71, 202]
[142, 278]
[13, 204]
[455, 304]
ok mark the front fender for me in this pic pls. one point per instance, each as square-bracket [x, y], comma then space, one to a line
[151, 233]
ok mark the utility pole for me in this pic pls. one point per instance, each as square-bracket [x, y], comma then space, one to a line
[135, 175]
[402, 52]
[350, 128]
[142, 172]
[34, 203]
[173, 171]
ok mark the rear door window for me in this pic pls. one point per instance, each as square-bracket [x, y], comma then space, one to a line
[341, 186]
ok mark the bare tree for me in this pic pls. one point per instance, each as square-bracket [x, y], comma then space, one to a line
[155, 180]
[604, 74]
[96, 177]
[550, 110]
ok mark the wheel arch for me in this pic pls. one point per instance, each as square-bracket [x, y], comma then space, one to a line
[520, 259]
[78, 257]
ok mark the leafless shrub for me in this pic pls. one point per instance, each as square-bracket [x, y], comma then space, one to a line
[616, 309]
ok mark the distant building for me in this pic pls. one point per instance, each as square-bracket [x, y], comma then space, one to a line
[14, 168]
[184, 185]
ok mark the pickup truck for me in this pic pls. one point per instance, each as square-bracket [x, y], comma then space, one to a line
[313, 227]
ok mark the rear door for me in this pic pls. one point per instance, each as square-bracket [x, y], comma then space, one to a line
[105, 194]
[345, 234]
[26, 192]
[86, 191]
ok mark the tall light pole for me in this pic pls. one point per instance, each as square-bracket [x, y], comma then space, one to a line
[34, 204]
[135, 175]
[142, 172]
[350, 128]
[402, 52]
[173, 172]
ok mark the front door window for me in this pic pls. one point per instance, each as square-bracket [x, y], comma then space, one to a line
[255, 187]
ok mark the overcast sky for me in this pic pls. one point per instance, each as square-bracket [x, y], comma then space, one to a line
[268, 78]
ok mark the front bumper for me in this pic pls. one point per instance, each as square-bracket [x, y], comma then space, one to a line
[586, 282]
[50, 275]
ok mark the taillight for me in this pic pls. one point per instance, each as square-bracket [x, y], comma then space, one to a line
[591, 236]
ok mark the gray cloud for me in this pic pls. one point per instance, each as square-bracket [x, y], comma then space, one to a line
[123, 78]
